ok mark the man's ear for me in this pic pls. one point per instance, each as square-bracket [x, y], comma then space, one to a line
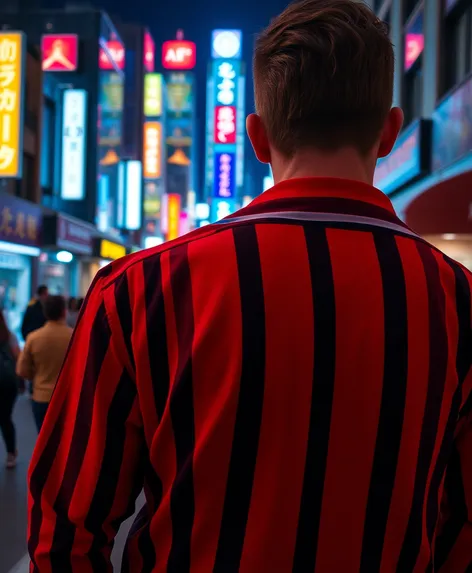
[392, 127]
[258, 137]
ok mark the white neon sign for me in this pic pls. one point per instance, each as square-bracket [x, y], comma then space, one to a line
[226, 86]
[74, 120]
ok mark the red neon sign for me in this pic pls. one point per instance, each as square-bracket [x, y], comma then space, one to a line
[149, 53]
[179, 55]
[60, 52]
[225, 124]
[117, 53]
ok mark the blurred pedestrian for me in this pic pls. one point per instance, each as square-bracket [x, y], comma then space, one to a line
[34, 316]
[72, 311]
[42, 357]
[9, 351]
[292, 385]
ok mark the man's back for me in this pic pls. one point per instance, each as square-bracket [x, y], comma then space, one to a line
[43, 356]
[287, 385]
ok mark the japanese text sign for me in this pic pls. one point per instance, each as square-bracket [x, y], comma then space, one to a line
[224, 181]
[225, 124]
[59, 52]
[152, 149]
[20, 221]
[226, 78]
[179, 55]
[74, 123]
[12, 46]
[152, 95]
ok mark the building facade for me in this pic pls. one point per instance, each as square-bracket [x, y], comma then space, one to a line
[428, 175]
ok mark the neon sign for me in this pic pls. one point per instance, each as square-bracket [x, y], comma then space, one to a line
[226, 84]
[59, 52]
[179, 55]
[224, 175]
[73, 144]
[116, 51]
[226, 44]
[225, 124]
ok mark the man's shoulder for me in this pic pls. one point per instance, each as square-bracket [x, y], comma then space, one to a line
[113, 272]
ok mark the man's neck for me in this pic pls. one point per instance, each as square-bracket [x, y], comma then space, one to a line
[343, 164]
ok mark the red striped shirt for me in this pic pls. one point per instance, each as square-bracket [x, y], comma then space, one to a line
[291, 387]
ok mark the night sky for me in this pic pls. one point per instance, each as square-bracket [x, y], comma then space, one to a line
[198, 18]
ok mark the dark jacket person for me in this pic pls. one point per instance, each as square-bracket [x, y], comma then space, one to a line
[34, 316]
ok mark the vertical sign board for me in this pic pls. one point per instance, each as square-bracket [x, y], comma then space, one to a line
[133, 195]
[74, 121]
[173, 216]
[225, 116]
[224, 179]
[152, 95]
[12, 81]
[152, 152]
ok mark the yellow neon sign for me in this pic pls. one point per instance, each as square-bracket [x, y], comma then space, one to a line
[109, 250]
[11, 100]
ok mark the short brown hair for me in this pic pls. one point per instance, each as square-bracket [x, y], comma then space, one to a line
[323, 75]
[55, 307]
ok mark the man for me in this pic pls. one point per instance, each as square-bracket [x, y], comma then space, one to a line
[34, 316]
[292, 385]
[42, 357]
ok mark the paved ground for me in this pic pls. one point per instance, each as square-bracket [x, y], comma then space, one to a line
[13, 558]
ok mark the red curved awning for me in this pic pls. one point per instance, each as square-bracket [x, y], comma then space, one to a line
[444, 208]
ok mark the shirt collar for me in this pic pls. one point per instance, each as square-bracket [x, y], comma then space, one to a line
[332, 187]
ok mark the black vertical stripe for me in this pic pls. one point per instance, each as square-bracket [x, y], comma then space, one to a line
[249, 410]
[38, 480]
[463, 306]
[124, 312]
[64, 531]
[181, 410]
[156, 332]
[322, 284]
[110, 469]
[392, 407]
[438, 359]
[463, 363]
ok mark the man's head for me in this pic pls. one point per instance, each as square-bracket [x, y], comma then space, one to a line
[55, 308]
[42, 293]
[323, 76]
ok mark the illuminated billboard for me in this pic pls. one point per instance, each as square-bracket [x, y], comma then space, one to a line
[149, 50]
[60, 52]
[12, 64]
[226, 74]
[112, 56]
[179, 55]
[74, 122]
[130, 197]
[173, 203]
[152, 152]
[225, 124]
[152, 95]
[226, 44]
[224, 177]
[221, 208]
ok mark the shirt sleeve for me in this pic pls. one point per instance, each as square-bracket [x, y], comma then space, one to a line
[25, 364]
[88, 466]
[454, 543]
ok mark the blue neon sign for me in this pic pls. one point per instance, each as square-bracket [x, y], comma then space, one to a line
[224, 176]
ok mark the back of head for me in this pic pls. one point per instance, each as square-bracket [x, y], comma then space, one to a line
[42, 292]
[55, 308]
[323, 75]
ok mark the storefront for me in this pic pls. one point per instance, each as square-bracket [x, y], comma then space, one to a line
[439, 206]
[66, 257]
[20, 238]
[107, 251]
